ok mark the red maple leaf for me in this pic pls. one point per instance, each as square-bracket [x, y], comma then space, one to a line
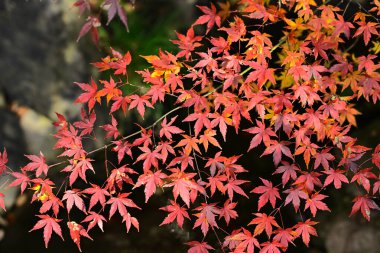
[49, 224]
[288, 171]
[120, 203]
[140, 103]
[342, 26]
[305, 93]
[111, 129]
[187, 43]
[367, 29]
[284, 236]
[120, 102]
[261, 74]
[294, 195]
[208, 137]
[315, 202]
[121, 62]
[38, 164]
[94, 219]
[233, 186]
[227, 211]
[87, 123]
[183, 159]
[176, 212]
[305, 229]
[323, 157]
[22, 179]
[89, 96]
[336, 176]
[78, 168]
[376, 186]
[217, 182]
[261, 133]
[92, 24]
[299, 72]
[74, 197]
[278, 148]
[271, 247]
[173, 82]
[3, 161]
[109, 90]
[190, 143]
[215, 163]
[129, 221]
[76, 231]
[122, 148]
[210, 17]
[268, 193]
[362, 178]
[308, 181]
[206, 217]
[82, 5]
[52, 203]
[115, 7]
[149, 157]
[158, 91]
[167, 128]
[164, 148]
[365, 204]
[320, 46]
[263, 222]
[2, 204]
[98, 195]
[117, 177]
[247, 242]
[222, 120]
[207, 61]
[236, 31]
[199, 247]
[151, 181]
[182, 184]
[201, 121]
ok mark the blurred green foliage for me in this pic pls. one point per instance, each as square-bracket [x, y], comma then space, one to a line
[152, 25]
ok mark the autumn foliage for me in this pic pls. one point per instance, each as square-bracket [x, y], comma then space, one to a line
[293, 90]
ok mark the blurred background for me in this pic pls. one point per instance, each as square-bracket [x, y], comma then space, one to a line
[39, 61]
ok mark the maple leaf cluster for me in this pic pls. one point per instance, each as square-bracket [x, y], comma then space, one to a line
[93, 22]
[295, 96]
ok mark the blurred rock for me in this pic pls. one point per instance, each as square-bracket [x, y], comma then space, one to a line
[346, 236]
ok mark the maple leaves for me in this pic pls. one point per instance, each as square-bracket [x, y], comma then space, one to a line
[92, 23]
[206, 217]
[89, 96]
[297, 106]
[268, 193]
[168, 129]
[199, 247]
[76, 231]
[210, 17]
[305, 229]
[38, 164]
[49, 224]
[73, 197]
[3, 161]
[120, 203]
[264, 222]
[2, 204]
[364, 204]
[177, 213]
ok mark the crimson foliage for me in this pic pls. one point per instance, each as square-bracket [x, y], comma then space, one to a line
[295, 96]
